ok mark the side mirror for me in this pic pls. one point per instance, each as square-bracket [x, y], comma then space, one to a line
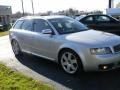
[47, 31]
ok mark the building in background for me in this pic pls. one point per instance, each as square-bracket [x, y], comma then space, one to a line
[115, 12]
[5, 15]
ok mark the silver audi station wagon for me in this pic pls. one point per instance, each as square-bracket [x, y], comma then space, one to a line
[67, 42]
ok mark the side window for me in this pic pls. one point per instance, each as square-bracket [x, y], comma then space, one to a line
[102, 19]
[88, 19]
[27, 25]
[18, 24]
[40, 25]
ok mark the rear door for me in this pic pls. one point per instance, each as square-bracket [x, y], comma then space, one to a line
[25, 35]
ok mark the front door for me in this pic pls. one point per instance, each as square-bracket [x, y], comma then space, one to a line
[43, 44]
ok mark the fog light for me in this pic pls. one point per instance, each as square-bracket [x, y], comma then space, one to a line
[105, 67]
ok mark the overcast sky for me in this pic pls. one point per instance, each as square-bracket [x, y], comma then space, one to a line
[57, 5]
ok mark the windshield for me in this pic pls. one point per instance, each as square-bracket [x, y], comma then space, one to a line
[67, 25]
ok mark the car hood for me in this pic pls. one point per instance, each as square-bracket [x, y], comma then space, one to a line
[93, 37]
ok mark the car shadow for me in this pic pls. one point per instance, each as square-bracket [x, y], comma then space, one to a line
[109, 80]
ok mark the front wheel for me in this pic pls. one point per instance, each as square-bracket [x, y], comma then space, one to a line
[70, 62]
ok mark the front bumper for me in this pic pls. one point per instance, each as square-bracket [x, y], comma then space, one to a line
[101, 62]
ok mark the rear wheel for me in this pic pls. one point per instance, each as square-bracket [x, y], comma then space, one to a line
[70, 62]
[16, 48]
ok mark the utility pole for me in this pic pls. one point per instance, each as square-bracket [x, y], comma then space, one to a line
[32, 6]
[111, 3]
[22, 8]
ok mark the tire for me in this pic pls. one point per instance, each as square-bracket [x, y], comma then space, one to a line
[70, 62]
[16, 48]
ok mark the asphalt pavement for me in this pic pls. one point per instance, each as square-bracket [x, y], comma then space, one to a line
[50, 72]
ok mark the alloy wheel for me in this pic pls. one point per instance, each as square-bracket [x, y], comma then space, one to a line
[69, 62]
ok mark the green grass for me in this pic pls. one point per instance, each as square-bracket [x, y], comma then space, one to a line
[4, 33]
[11, 80]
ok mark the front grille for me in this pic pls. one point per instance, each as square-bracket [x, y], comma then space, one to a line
[116, 48]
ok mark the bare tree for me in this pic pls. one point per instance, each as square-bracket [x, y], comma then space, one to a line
[118, 5]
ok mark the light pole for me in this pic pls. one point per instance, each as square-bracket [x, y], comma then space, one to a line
[32, 6]
[22, 7]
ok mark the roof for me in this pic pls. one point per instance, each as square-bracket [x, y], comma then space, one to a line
[43, 17]
[80, 17]
[83, 16]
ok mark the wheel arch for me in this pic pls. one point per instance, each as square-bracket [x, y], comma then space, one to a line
[13, 39]
[81, 57]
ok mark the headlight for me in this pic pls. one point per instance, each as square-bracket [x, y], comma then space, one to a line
[100, 51]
